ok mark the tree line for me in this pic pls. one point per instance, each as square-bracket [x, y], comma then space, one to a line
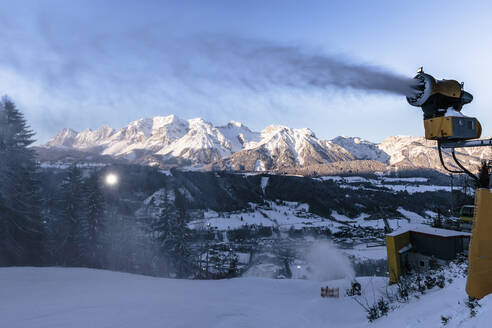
[74, 219]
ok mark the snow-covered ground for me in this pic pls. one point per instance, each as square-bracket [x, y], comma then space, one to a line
[410, 185]
[64, 166]
[76, 297]
[414, 218]
[284, 216]
[365, 252]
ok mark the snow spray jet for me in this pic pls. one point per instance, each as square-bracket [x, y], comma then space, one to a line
[326, 262]
[257, 64]
[134, 67]
[95, 58]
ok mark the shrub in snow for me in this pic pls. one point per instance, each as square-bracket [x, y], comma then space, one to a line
[441, 281]
[472, 304]
[377, 310]
[445, 320]
[433, 264]
[372, 313]
[430, 282]
[420, 285]
[404, 286]
[383, 307]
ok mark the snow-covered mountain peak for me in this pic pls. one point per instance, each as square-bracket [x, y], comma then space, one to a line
[162, 121]
[105, 130]
[66, 133]
[306, 131]
[139, 128]
[361, 148]
[235, 126]
[89, 138]
[166, 129]
[198, 122]
[402, 140]
[273, 129]
[235, 123]
[172, 141]
[238, 134]
[409, 150]
[64, 138]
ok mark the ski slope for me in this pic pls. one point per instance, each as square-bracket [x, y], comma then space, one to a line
[81, 298]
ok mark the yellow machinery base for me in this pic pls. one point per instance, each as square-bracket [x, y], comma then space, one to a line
[479, 282]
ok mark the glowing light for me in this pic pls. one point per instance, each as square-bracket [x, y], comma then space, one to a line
[111, 179]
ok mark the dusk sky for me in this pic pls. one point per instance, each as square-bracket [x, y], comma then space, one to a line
[84, 64]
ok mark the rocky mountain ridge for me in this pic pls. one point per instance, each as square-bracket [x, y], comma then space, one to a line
[169, 141]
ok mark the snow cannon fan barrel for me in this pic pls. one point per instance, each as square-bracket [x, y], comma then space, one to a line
[442, 101]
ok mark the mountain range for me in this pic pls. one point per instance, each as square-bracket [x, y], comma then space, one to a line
[169, 141]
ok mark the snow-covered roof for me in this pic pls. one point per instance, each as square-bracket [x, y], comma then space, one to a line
[431, 231]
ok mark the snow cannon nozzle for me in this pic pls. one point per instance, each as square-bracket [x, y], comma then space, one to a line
[436, 96]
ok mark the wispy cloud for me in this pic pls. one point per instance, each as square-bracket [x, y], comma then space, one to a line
[79, 66]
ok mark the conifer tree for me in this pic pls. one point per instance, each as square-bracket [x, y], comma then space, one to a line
[181, 237]
[71, 215]
[21, 228]
[174, 235]
[53, 231]
[161, 229]
[93, 224]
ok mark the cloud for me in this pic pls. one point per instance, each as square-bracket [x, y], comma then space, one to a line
[77, 55]
[80, 66]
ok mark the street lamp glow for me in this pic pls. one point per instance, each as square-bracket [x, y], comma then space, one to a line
[111, 179]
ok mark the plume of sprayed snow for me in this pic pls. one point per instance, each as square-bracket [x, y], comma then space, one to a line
[141, 57]
[326, 262]
[258, 63]
[132, 67]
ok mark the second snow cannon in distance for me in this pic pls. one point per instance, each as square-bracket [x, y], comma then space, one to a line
[442, 101]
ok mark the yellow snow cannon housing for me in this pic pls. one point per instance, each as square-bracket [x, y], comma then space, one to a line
[479, 282]
[452, 128]
[435, 97]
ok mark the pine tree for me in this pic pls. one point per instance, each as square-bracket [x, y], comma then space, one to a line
[51, 213]
[71, 215]
[174, 235]
[161, 229]
[21, 228]
[233, 264]
[484, 175]
[181, 237]
[92, 231]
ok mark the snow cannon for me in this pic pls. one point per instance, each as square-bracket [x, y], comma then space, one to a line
[436, 96]
[442, 101]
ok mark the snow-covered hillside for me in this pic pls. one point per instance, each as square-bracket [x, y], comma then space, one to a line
[172, 141]
[76, 297]
[197, 142]
[362, 149]
[282, 147]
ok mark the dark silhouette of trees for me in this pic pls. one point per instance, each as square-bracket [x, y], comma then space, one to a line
[21, 228]
[72, 213]
[93, 226]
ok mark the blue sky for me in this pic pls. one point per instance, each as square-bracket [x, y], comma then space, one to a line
[84, 64]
